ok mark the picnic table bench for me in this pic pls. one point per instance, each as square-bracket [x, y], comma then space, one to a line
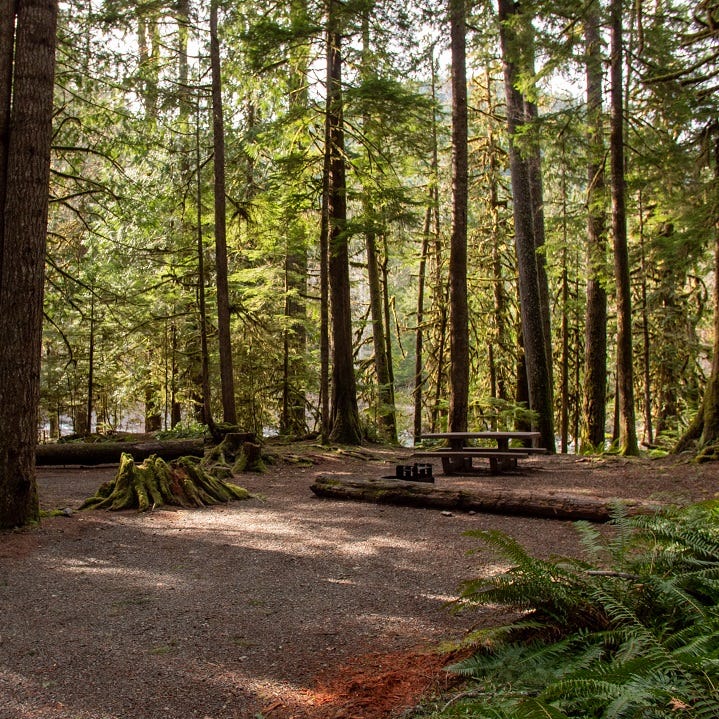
[457, 457]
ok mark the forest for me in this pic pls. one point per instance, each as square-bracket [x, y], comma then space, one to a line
[368, 219]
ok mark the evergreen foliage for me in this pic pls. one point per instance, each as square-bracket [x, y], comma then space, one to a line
[131, 191]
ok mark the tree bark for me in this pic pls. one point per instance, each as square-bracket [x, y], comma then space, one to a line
[227, 381]
[628, 444]
[7, 38]
[705, 426]
[595, 365]
[385, 391]
[458, 306]
[345, 421]
[710, 406]
[92, 453]
[533, 332]
[294, 399]
[418, 384]
[201, 299]
[498, 500]
[23, 217]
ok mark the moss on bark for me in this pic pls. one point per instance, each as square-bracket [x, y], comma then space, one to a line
[154, 483]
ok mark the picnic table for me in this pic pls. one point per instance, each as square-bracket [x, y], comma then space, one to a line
[457, 457]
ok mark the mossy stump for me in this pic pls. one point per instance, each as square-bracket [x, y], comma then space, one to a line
[238, 452]
[154, 483]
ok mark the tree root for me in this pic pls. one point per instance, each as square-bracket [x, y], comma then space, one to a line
[181, 483]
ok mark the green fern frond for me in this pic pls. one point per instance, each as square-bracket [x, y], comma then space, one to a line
[592, 540]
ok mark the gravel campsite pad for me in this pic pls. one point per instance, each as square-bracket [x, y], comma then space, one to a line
[284, 605]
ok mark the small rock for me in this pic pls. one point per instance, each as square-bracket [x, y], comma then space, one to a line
[67, 512]
[447, 514]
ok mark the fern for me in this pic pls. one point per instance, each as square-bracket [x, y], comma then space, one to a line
[631, 632]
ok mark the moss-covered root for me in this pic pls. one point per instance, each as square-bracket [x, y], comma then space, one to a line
[155, 483]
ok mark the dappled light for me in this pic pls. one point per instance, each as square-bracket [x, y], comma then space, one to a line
[284, 604]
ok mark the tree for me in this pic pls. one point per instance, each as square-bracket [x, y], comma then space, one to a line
[458, 308]
[533, 329]
[380, 329]
[625, 375]
[345, 422]
[594, 407]
[27, 68]
[229, 413]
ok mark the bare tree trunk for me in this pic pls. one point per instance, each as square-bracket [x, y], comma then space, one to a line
[646, 343]
[705, 426]
[627, 425]
[533, 332]
[380, 338]
[23, 217]
[595, 380]
[345, 422]
[325, 293]
[7, 42]
[91, 363]
[419, 332]
[202, 305]
[458, 312]
[229, 412]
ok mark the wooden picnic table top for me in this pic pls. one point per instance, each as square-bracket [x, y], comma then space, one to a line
[482, 434]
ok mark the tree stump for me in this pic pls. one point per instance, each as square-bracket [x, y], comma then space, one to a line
[154, 483]
[238, 452]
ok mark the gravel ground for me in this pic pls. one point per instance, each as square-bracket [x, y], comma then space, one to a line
[233, 612]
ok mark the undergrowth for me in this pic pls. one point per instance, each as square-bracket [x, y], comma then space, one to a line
[630, 631]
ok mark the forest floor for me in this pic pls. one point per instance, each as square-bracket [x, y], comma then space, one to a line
[281, 606]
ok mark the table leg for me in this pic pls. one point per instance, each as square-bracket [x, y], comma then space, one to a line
[456, 465]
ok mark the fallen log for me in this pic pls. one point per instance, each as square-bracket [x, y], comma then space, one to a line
[551, 505]
[92, 453]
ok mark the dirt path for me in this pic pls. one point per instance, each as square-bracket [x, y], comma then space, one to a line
[282, 606]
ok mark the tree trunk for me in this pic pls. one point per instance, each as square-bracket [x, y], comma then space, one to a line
[646, 341]
[595, 372]
[229, 412]
[458, 307]
[23, 218]
[564, 414]
[385, 391]
[533, 331]
[91, 365]
[497, 500]
[294, 400]
[345, 421]
[705, 426]
[627, 425]
[325, 417]
[92, 453]
[7, 42]
[418, 386]
[202, 306]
